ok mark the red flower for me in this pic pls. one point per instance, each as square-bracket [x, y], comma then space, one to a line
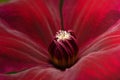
[27, 28]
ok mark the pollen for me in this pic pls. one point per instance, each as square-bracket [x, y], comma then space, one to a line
[62, 35]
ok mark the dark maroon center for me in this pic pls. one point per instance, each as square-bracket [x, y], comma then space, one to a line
[63, 49]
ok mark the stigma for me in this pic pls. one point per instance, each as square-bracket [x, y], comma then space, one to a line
[63, 49]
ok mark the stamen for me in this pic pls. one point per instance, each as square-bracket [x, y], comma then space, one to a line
[63, 49]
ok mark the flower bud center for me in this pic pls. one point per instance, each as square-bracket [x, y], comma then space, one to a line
[63, 49]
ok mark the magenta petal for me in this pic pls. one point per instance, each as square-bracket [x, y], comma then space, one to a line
[36, 18]
[18, 52]
[90, 18]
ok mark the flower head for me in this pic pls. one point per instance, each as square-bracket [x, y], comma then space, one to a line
[87, 47]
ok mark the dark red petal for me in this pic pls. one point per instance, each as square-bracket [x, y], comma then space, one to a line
[36, 18]
[101, 59]
[107, 40]
[90, 18]
[18, 52]
[101, 65]
[36, 73]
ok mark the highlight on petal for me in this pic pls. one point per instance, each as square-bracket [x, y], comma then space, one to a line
[18, 52]
[90, 18]
[36, 18]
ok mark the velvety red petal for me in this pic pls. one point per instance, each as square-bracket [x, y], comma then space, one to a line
[36, 18]
[101, 60]
[18, 52]
[101, 65]
[109, 39]
[90, 18]
[36, 73]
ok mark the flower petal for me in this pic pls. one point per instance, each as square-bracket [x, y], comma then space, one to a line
[101, 60]
[35, 73]
[101, 65]
[18, 51]
[36, 18]
[107, 40]
[90, 18]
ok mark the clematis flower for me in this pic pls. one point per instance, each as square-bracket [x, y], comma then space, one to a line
[60, 40]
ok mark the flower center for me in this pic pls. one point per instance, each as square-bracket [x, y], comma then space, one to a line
[63, 49]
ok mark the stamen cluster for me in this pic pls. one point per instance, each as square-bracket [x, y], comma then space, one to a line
[63, 49]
